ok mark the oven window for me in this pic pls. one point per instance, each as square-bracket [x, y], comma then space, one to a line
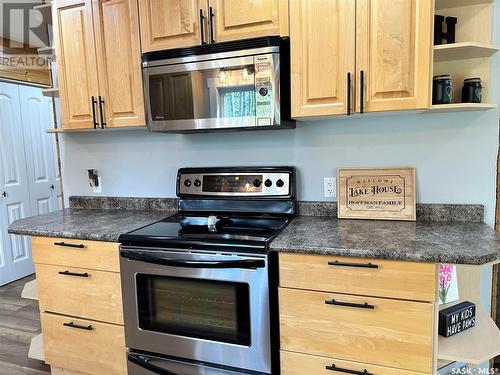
[205, 309]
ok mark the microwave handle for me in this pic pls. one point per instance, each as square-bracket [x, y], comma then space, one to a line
[191, 263]
[201, 65]
[140, 361]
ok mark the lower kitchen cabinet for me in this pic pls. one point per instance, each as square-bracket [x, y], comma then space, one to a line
[83, 345]
[79, 291]
[302, 364]
[328, 324]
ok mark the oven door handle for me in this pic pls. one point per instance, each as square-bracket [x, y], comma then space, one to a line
[142, 362]
[191, 263]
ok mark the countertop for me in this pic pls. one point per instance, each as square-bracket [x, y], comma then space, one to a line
[461, 242]
[87, 224]
[424, 241]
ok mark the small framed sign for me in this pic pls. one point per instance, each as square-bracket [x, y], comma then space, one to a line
[376, 193]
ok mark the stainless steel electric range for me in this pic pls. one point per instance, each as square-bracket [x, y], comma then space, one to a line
[197, 286]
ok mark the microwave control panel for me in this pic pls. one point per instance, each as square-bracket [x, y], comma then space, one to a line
[264, 89]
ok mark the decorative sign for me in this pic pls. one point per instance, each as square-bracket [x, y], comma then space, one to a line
[457, 318]
[380, 193]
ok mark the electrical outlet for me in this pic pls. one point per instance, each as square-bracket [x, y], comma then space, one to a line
[330, 187]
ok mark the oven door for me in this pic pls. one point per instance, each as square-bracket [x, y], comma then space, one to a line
[198, 306]
[240, 92]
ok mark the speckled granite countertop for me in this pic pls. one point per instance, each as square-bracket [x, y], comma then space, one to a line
[443, 242]
[86, 224]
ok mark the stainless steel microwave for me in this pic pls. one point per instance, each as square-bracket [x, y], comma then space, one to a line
[218, 87]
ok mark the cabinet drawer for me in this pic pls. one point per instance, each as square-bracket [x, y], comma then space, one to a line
[372, 277]
[76, 253]
[99, 350]
[384, 332]
[301, 364]
[65, 290]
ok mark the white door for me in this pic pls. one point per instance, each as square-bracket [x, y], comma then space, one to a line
[15, 252]
[44, 182]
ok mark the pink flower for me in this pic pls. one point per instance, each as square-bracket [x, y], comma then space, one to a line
[445, 274]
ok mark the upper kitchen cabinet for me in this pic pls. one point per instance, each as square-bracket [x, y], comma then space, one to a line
[99, 63]
[322, 56]
[393, 56]
[116, 25]
[368, 55]
[76, 62]
[169, 24]
[243, 19]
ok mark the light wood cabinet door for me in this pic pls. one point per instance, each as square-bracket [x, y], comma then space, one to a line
[302, 364]
[379, 331]
[116, 27]
[98, 349]
[76, 62]
[322, 43]
[243, 19]
[81, 292]
[169, 24]
[393, 52]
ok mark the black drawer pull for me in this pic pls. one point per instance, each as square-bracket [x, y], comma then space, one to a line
[67, 273]
[365, 305]
[347, 371]
[346, 264]
[73, 325]
[80, 246]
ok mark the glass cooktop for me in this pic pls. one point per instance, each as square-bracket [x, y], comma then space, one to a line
[188, 231]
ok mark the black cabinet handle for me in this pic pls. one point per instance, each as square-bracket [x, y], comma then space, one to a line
[52, 187]
[73, 325]
[94, 118]
[101, 112]
[80, 246]
[68, 273]
[347, 371]
[211, 22]
[4, 194]
[347, 264]
[350, 304]
[202, 27]
[349, 94]
[361, 92]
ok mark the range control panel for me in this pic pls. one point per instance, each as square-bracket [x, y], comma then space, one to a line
[235, 184]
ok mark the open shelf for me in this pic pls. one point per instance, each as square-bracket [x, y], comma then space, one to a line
[52, 91]
[92, 130]
[464, 50]
[30, 291]
[475, 345]
[446, 4]
[457, 107]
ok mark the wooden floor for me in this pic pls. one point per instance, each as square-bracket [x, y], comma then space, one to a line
[19, 322]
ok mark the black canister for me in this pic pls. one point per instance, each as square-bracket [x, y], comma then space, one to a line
[472, 91]
[442, 89]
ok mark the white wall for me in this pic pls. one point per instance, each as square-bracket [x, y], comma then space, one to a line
[454, 153]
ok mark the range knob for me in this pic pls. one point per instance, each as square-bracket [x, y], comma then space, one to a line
[280, 183]
[187, 182]
[268, 183]
[197, 183]
[256, 182]
[263, 91]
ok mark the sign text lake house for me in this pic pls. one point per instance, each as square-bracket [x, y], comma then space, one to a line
[380, 193]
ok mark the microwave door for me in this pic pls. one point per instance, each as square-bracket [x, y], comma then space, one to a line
[206, 95]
